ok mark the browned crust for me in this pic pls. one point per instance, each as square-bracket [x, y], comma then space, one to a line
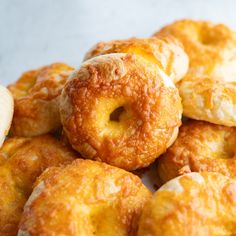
[200, 146]
[85, 198]
[151, 101]
[22, 160]
[194, 204]
[166, 52]
[36, 100]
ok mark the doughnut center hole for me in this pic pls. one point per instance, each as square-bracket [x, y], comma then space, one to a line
[116, 114]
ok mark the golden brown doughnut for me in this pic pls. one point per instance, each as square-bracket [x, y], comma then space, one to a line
[200, 146]
[196, 204]
[36, 96]
[22, 160]
[208, 90]
[166, 52]
[6, 112]
[211, 47]
[84, 198]
[120, 109]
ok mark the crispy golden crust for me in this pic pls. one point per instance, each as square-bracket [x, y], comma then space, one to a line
[21, 161]
[211, 100]
[166, 52]
[36, 96]
[208, 90]
[84, 198]
[209, 46]
[200, 146]
[194, 204]
[147, 110]
[6, 112]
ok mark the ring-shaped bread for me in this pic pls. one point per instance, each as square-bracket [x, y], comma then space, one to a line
[22, 160]
[208, 89]
[166, 52]
[120, 109]
[84, 198]
[36, 95]
[193, 204]
[200, 146]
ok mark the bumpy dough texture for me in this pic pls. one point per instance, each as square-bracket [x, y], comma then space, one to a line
[36, 96]
[193, 204]
[200, 146]
[6, 112]
[166, 52]
[21, 161]
[208, 90]
[120, 109]
[85, 198]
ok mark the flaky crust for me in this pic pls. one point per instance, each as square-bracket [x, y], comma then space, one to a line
[200, 146]
[166, 52]
[208, 90]
[84, 198]
[22, 160]
[148, 123]
[36, 95]
[6, 112]
[194, 204]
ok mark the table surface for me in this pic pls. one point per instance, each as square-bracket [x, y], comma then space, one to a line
[36, 33]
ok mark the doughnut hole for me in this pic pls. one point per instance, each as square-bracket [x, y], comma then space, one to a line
[113, 116]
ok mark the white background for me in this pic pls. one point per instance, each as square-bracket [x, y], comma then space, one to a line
[39, 32]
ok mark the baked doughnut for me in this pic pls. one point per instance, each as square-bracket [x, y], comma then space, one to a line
[211, 47]
[200, 146]
[84, 198]
[21, 161]
[166, 52]
[120, 109]
[36, 96]
[208, 90]
[6, 112]
[193, 204]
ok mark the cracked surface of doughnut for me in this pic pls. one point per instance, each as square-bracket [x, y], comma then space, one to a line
[36, 95]
[120, 109]
[200, 146]
[85, 198]
[193, 204]
[208, 90]
[22, 160]
[166, 52]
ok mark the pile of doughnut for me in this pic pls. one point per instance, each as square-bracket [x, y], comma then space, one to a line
[74, 140]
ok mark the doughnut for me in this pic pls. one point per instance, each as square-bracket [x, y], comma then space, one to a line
[6, 112]
[192, 204]
[208, 89]
[84, 198]
[166, 52]
[22, 160]
[211, 47]
[36, 95]
[200, 146]
[120, 109]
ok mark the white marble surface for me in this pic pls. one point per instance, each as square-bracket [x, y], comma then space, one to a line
[38, 32]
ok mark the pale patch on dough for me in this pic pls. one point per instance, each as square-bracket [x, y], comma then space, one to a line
[166, 79]
[37, 191]
[23, 233]
[172, 186]
[173, 137]
[197, 177]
